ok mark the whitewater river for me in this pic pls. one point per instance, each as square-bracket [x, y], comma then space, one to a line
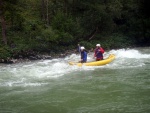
[52, 86]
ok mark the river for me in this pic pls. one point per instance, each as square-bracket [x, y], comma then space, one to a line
[53, 86]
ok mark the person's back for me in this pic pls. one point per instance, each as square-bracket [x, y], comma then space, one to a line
[83, 55]
[98, 53]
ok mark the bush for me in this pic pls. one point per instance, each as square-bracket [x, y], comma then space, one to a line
[116, 41]
[5, 52]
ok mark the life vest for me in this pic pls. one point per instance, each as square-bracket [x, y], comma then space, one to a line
[99, 53]
[84, 56]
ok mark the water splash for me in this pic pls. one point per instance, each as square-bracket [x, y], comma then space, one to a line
[34, 73]
[129, 53]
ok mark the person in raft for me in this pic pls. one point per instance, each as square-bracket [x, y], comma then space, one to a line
[98, 52]
[79, 48]
[83, 55]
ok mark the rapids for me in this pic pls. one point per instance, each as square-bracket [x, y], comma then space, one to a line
[53, 86]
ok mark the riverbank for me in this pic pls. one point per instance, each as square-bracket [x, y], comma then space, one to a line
[26, 56]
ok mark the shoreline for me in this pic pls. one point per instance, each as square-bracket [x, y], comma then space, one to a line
[35, 56]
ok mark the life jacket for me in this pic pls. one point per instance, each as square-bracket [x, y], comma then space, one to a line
[84, 56]
[99, 53]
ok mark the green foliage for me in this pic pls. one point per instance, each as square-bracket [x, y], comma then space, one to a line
[62, 22]
[49, 35]
[5, 52]
[66, 28]
[87, 45]
[110, 42]
[116, 41]
[48, 25]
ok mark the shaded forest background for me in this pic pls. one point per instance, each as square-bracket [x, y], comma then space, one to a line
[58, 25]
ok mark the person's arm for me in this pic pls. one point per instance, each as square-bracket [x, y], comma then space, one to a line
[102, 50]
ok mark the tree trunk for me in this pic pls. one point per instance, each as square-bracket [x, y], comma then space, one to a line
[43, 15]
[3, 23]
[65, 7]
[47, 13]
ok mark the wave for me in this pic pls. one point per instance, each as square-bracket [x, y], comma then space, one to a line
[129, 53]
[33, 73]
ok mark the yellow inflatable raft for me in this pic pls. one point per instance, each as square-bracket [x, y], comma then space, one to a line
[96, 63]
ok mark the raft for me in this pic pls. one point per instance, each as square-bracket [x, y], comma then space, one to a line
[110, 58]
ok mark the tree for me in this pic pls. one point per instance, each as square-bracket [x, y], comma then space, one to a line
[3, 23]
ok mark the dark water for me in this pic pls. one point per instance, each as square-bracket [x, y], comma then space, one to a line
[52, 86]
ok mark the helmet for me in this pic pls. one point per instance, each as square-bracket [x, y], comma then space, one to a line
[98, 45]
[82, 48]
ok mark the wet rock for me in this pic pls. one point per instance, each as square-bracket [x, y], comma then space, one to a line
[26, 56]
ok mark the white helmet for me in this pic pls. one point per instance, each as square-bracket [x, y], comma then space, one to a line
[98, 45]
[82, 48]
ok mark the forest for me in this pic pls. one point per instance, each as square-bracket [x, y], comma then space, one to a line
[54, 26]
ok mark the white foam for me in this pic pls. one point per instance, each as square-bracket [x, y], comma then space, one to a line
[129, 53]
[23, 84]
[31, 74]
